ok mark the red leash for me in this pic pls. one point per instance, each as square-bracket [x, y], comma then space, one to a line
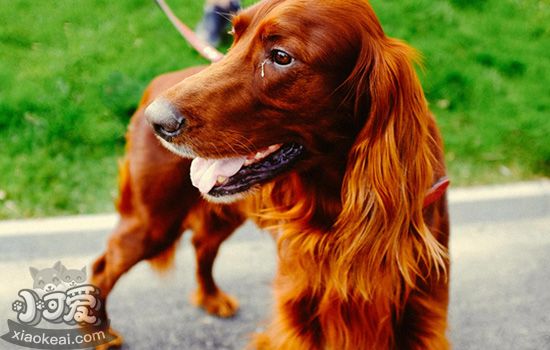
[207, 51]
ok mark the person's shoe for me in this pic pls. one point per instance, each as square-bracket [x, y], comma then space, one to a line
[214, 22]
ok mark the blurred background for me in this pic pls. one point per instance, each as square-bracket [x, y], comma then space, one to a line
[72, 72]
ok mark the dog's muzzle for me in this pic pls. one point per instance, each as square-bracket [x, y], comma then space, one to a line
[165, 119]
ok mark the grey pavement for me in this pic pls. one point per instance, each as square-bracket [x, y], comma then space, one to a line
[500, 275]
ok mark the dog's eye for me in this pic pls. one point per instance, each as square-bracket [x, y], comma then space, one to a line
[281, 58]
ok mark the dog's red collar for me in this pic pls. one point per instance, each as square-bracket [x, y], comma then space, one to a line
[436, 191]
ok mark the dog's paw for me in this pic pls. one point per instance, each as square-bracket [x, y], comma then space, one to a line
[260, 341]
[113, 344]
[219, 304]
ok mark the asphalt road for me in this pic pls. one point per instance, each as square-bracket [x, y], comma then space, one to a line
[500, 278]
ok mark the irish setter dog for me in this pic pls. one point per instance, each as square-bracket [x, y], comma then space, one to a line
[315, 126]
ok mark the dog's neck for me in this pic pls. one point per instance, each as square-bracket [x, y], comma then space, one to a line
[309, 198]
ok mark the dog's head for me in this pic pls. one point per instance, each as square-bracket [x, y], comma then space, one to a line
[307, 84]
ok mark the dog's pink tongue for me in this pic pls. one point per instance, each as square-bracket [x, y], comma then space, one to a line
[205, 172]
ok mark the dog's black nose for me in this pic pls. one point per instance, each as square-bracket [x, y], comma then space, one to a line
[165, 119]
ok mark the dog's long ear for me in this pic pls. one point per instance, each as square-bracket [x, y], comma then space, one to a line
[389, 170]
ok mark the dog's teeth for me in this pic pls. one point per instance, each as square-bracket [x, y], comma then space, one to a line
[221, 179]
[251, 159]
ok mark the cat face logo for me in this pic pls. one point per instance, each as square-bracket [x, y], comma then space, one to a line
[46, 280]
[56, 278]
[58, 295]
[73, 277]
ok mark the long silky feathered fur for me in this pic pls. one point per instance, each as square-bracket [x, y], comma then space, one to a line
[362, 264]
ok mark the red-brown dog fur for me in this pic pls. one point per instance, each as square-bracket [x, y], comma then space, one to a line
[362, 265]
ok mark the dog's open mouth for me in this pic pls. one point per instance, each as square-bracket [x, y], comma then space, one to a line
[229, 176]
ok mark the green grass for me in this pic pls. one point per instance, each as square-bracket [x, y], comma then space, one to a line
[72, 72]
[487, 77]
